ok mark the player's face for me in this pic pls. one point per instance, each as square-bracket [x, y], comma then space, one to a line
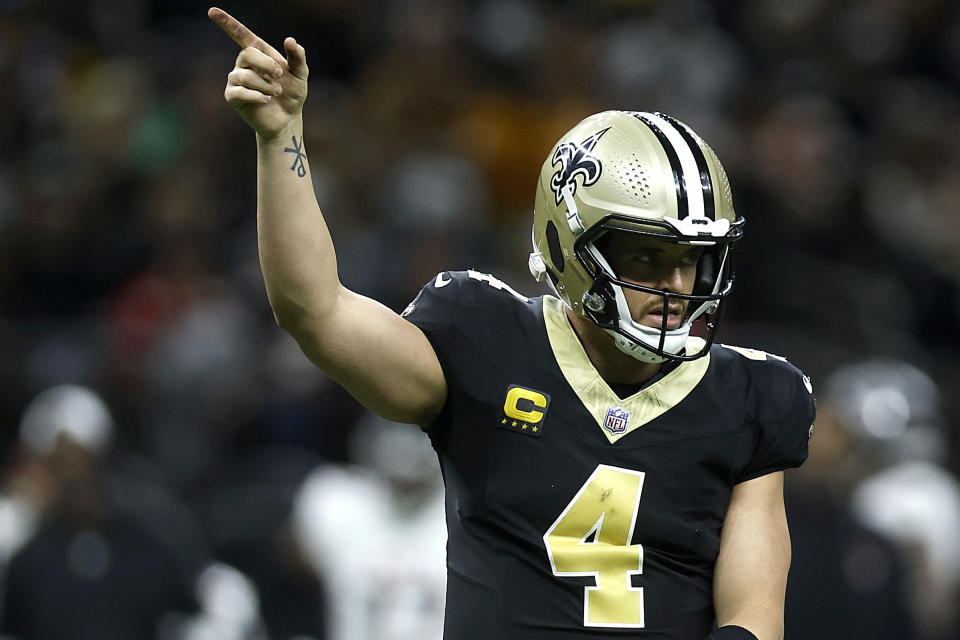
[656, 264]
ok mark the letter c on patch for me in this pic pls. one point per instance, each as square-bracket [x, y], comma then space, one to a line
[525, 404]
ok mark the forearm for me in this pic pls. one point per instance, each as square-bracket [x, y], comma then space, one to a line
[751, 572]
[296, 252]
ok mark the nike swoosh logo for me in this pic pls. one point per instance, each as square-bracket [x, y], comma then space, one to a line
[440, 282]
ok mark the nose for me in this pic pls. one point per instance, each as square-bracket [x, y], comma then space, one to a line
[671, 279]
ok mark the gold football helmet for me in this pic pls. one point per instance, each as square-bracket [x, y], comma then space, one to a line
[639, 173]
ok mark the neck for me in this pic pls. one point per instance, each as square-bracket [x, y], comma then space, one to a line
[613, 365]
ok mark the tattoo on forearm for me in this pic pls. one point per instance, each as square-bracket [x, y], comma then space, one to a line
[299, 162]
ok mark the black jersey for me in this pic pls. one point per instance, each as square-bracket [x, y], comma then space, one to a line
[573, 513]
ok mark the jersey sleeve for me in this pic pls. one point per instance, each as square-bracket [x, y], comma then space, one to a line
[435, 311]
[784, 413]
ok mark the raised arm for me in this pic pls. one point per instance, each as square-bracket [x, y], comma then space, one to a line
[381, 359]
[750, 578]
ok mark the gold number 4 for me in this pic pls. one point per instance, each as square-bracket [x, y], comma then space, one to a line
[592, 538]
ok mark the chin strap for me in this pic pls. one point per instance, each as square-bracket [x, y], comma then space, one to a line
[573, 214]
[635, 349]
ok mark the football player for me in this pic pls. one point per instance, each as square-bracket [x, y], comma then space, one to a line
[607, 473]
[388, 582]
[890, 413]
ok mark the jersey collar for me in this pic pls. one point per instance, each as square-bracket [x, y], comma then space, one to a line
[616, 417]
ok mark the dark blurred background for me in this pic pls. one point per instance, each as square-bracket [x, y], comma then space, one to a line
[128, 260]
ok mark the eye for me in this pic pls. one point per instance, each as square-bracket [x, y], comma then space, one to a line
[690, 258]
[642, 257]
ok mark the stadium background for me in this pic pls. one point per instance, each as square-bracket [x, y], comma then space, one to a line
[128, 255]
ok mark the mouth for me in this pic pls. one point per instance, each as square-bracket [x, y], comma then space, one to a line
[655, 318]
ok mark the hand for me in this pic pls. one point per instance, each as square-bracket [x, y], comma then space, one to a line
[267, 89]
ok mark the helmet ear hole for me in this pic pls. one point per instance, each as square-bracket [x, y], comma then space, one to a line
[553, 244]
[706, 273]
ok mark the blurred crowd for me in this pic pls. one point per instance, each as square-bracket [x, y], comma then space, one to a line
[128, 269]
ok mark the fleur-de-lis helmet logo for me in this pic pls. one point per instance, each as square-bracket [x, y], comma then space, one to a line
[576, 160]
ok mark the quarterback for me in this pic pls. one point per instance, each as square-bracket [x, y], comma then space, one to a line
[608, 474]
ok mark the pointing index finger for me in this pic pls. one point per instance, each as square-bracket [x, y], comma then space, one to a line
[241, 34]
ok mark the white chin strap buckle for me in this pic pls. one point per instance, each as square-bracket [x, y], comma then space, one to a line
[538, 268]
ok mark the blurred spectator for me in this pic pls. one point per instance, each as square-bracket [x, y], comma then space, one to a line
[90, 569]
[376, 535]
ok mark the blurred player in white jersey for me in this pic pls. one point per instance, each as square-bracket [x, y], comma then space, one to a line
[891, 411]
[376, 535]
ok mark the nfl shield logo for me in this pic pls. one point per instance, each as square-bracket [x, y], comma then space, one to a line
[616, 420]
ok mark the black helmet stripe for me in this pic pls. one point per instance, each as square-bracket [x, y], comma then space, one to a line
[683, 207]
[705, 182]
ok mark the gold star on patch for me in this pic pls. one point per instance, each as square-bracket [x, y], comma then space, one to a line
[535, 429]
[514, 423]
[524, 427]
[504, 421]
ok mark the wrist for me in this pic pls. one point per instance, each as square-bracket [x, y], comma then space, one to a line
[282, 136]
[731, 632]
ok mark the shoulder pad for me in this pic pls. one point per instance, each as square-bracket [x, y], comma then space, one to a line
[782, 408]
[435, 303]
[495, 283]
[451, 289]
[753, 354]
[770, 370]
